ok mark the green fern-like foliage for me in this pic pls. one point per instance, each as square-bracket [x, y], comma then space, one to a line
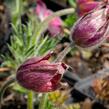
[24, 44]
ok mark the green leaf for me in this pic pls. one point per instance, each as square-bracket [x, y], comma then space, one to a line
[19, 89]
[70, 20]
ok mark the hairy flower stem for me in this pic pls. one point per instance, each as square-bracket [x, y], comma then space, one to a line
[62, 54]
[44, 25]
[30, 100]
[43, 101]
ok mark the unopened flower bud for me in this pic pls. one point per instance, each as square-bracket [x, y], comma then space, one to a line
[91, 29]
[39, 75]
[84, 6]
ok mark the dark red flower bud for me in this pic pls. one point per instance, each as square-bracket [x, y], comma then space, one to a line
[39, 75]
[92, 29]
[84, 6]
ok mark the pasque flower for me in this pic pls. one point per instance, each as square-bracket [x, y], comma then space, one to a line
[84, 6]
[55, 26]
[93, 28]
[39, 75]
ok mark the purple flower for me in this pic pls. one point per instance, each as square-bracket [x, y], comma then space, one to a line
[39, 75]
[92, 29]
[55, 26]
[84, 6]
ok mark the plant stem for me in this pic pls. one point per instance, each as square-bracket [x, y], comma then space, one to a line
[43, 101]
[30, 100]
[44, 25]
[63, 53]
